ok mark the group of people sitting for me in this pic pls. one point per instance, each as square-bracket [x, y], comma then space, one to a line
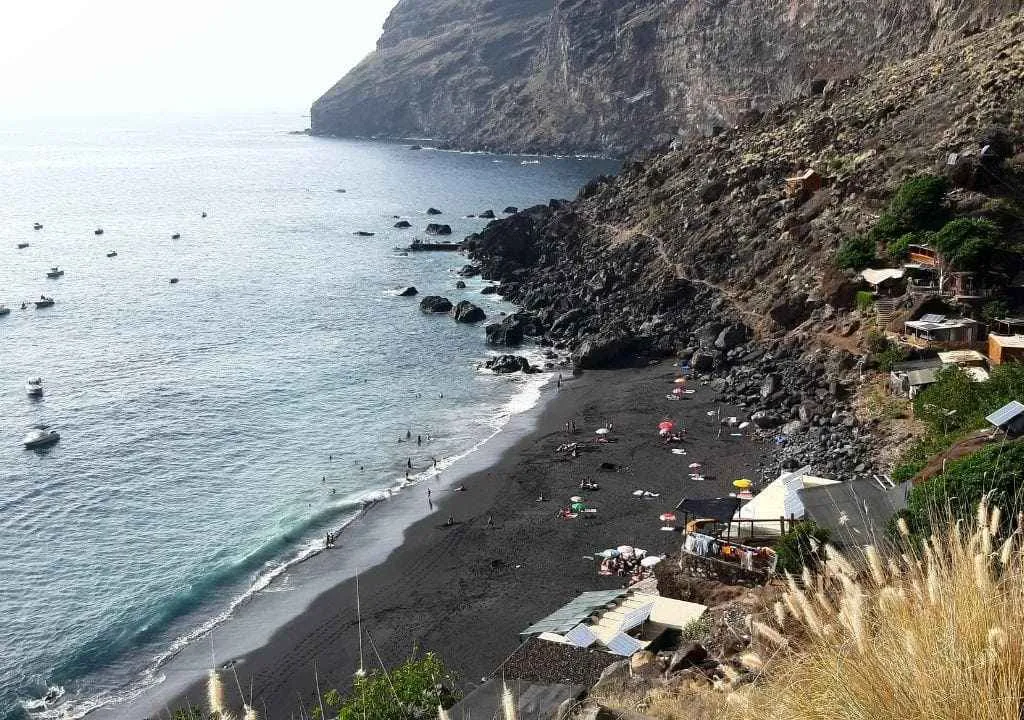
[626, 566]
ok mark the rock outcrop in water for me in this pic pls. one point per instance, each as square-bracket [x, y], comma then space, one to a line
[614, 75]
[435, 304]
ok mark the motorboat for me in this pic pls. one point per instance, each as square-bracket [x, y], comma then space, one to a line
[44, 302]
[54, 272]
[176, 236]
[37, 226]
[112, 253]
[22, 246]
[97, 231]
[40, 436]
[34, 387]
[174, 281]
[4, 310]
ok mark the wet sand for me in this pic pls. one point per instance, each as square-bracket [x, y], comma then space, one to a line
[466, 591]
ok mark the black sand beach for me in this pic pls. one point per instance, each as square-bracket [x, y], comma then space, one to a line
[466, 591]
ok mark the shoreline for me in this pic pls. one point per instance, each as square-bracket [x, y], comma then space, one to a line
[466, 591]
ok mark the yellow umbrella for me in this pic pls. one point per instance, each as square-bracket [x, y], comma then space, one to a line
[742, 483]
[680, 381]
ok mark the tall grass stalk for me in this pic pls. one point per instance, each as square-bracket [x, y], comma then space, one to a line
[939, 636]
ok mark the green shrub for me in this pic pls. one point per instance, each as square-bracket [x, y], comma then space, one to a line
[994, 309]
[899, 248]
[413, 689]
[994, 471]
[856, 253]
[891, 355]
[864, 300]
[966, 243]
[955, 403]
[919, 204]
[801, 546]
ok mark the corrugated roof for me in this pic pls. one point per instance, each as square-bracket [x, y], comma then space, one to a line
[916, 365]
[955, 357]
[923, 377]
[720, 509]
[1006, 413]
[1014, 341]
[574, 612]
[581, 636]
[856, 512]
[932, 318]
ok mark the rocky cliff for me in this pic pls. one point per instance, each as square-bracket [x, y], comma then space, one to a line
[612, 76]
[708, 252]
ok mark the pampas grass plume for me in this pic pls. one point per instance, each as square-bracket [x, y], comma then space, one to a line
[442, 714]
[250, 713]
[508, 703]
[215, 695]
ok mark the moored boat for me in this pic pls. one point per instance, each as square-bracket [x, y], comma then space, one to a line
[54, 272]
[44, 302]
[40, 436]
[34, 387]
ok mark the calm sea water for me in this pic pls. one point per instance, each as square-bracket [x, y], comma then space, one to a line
[198, 419]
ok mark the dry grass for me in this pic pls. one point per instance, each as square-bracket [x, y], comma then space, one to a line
[936, 634]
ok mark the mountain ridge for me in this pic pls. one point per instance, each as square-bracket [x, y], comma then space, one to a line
[613, 77]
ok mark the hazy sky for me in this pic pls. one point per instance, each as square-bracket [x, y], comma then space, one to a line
[88, 56]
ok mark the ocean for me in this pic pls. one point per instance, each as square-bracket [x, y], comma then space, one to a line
[214, 430]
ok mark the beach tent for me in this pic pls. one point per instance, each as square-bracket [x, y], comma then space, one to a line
[720, 509]
[666, 425]
[779, 499]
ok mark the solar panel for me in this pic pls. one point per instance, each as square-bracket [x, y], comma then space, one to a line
[1006, 413]
[932, 318]
[636, 617]
[581, 636]
[622, 644]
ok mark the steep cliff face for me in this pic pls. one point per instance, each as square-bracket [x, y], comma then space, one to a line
[616, 75]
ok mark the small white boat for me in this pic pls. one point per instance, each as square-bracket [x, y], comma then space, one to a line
[44, 302]
[40, 436]
[54, 272]
[34, 387]
[112, 253]
[4, 310]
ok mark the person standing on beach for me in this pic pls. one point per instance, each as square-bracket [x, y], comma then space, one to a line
[419, 439]
[408, 463]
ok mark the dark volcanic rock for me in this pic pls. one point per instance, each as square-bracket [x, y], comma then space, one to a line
[438, 229]
[509, 364]
[606, 350]
[409, 292]
[487, 214]
[467, 312]
[435, 304]
[490, 290]
[510, 210]
[460, 285]
[363, 233]
[403, 224]
[511, 330]
[433, 211]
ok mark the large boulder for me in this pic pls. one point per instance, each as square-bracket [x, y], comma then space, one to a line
[566, 321]
[439, 229]
[730, 337]
[467, 312]
[402, 224]
[409, 292]
[510, 210]
[687, 655]
[511, 330]
[509, 364]
[606, 350]
[433, 211]
[765, 420]
[460, 285]
[435, 304]
[790, 312]
[487, 215]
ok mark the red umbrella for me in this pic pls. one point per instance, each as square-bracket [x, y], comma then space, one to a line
[668, 517]
[679, 391]
[666, 425]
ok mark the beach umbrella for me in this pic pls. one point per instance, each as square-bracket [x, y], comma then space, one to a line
[575, 498]
[577, 507]
[679, 391]
[680, 381]
[745, 495]
[668, 517]
[650, 561]
[609, 553]
[742, 483]
[695, 466]
[625, 549]
[602, 431]
[678, 451]
[666, 425]
[744, 425]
